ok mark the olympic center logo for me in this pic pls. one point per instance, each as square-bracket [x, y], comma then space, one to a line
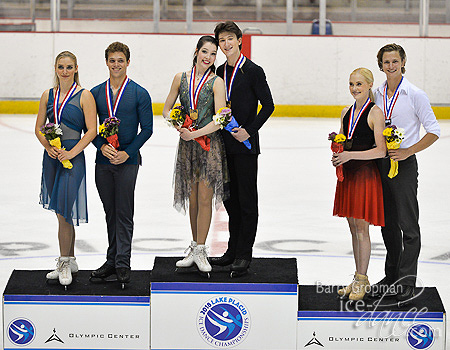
[223, 322]
[21, 331]
[420, 336]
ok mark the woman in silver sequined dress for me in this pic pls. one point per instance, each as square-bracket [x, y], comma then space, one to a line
[200, 175]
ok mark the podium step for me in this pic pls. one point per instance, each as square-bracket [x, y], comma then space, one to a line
[33, 282]
[40, 315]
[262, 270]
[324, 320]
[254, 311]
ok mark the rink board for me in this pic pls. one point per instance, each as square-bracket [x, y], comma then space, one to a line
[420, 325]
[223, 313]
[66, 320]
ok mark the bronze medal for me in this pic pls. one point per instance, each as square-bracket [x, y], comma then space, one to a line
[348, 144]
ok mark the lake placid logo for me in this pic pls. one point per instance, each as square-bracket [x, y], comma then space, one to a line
[420, 336]
[21, 331]
[223, 322]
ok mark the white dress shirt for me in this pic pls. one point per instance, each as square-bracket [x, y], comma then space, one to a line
[410, 111]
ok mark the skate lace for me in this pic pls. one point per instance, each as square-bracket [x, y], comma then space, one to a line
[189, 249]
[57, 263]
[357, 286]
[64, 267]
[203, 254]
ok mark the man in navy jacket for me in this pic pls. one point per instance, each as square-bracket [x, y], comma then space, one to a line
[116, 169]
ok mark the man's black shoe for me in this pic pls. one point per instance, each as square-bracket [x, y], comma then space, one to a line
[407, 293]
[240, 265]
[385, 287]
[223, 260]
[123, 274]
[104, 271]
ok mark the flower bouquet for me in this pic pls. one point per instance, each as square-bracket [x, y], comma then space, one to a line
[394, 137]
[109, 130]
[176, 116]
[52, 132]
[225, 119]
[179, 118]
[337, 146]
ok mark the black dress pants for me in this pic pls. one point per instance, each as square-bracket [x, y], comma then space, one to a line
[242, 206]
[401, 233]
[115, 185]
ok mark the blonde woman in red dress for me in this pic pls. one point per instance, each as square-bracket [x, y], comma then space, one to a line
[359, 196]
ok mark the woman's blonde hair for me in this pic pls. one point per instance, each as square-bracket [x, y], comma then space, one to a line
[368, 77]
[73, 58]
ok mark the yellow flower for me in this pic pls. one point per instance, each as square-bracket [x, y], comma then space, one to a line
[101, 128]
[174, 114]
[57, 143]
[339, 138]
[387, 132]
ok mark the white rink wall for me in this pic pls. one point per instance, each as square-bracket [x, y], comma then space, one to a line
[301, 70]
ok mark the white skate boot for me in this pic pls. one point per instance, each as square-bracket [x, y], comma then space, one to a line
[54, 275]
[201, 259]
[65, 275]
[188, 261]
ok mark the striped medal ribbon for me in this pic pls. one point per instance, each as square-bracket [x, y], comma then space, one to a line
[389, 107]
[195, 93]
[57, 112]
[112, 110]
[239, 63]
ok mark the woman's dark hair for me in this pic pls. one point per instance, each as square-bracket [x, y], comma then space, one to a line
[228, 26]
[390, 48]
[202, 41]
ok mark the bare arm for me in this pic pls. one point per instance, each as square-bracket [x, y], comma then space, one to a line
[87, 103]
[40, 121]
[344, 111]
[173, 95]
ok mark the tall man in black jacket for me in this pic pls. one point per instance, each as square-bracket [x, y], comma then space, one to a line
[246, 85]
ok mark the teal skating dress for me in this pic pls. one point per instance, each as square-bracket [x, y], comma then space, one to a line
[63, 191]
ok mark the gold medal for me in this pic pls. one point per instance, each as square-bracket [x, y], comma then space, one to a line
[194, 114]
[229, 104]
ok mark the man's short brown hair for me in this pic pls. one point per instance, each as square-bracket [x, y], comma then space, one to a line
[118, 47]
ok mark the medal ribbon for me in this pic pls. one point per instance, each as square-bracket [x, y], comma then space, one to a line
[194, 94]
[58, 111]
[238, 65]
[112, 110]
[352, 122]
[388, 109]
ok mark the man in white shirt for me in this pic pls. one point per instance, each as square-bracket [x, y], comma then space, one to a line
[405, 106]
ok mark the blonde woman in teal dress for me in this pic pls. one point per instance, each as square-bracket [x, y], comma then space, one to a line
[199, 175]
[63, 191]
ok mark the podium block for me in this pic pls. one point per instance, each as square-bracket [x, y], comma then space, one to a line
[40, 315]
[250, 312]
[328, 322]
